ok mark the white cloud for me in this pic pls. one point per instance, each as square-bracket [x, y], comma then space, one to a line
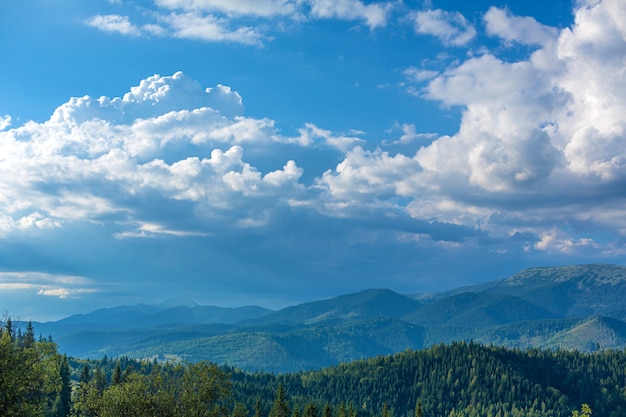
[410, 134]
[552, 125]
[369, 178]
[555, 240]
[450, 27]
[541, 141]
[210, 28]
[5, 121]
[264, 8]
[374, 14]
[63, 293]
[524, 30]
[60, 286]
[248, 22]
[311, 134]
[418, 75]
[114, 23]
[95, 158]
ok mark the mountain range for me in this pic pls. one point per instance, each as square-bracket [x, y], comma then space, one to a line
[579, 307]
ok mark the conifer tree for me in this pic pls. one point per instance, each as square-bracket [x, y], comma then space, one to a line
[257, 408]
[116, 378]
[65, 394]
[328, 411]
[28, 339]
[280, 408]
[419, 412]
[311, 410]
[85, 374]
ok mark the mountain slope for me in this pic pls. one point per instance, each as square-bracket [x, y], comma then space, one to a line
[589, 335]
[471, 309]
[568, 291]
[362, 305]
[539, 307]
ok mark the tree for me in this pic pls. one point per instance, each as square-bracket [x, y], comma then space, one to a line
[204, 390]
[311, 410]
[22, 378]
[85, 374]
[585, 411]
[8, 326]
[239, 410]
[419, 412]
[65, 396]
[28, 339]
[116, 378]
[280, 408]
[257, 408]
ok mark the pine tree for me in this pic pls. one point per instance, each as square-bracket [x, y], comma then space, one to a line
[116, 378]
[280, 407]
[419, 412]
[8, 326]
[28, 339]
[65, 394]
[311, 410]
[257, 408]
[85, 375]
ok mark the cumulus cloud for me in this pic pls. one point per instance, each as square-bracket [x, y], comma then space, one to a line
[450, 27]
[540, 143]
[167, 136]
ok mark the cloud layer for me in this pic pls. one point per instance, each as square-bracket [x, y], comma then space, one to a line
[536, 165]
[237, 21]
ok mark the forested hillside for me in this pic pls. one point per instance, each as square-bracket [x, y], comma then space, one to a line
[461, 379]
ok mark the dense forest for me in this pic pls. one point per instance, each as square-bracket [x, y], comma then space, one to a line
[460, 379]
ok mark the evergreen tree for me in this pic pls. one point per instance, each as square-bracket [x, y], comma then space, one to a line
[280, 408]
[99, 379]
[257, 408]
[65, 394]
[85, 374]
[585, 411]
[8, 326]
[239, 410]
[311, 410]
[418, 409]
[385, 411]
[28, 339]
[116, 378]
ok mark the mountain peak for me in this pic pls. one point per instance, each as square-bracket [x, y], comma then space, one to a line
[178, 302]
[583, 275]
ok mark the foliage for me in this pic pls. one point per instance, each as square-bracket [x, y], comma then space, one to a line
[461, 379]
[34, 377]
[457, 379]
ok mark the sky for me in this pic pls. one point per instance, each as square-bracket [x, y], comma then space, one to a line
[272, 152]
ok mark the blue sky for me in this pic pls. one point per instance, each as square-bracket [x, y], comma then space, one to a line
[273, 152]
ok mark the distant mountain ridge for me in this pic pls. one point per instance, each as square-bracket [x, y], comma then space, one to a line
[570, 291]
[574, 307]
